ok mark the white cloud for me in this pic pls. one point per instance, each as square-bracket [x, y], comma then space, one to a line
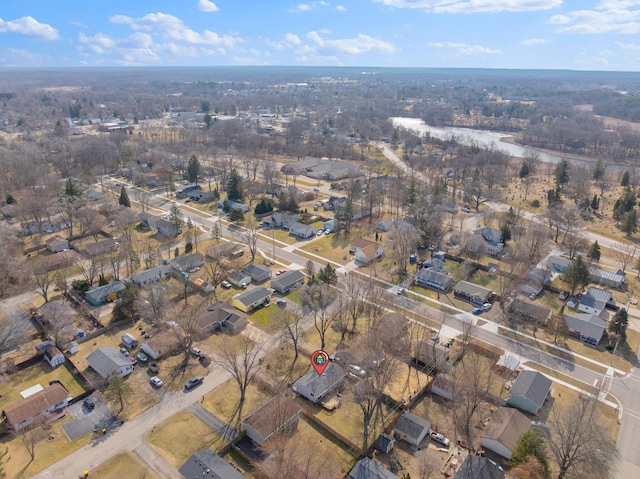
[340, 8]
[207, 6]
[352, 46]
[465, 49]
[173, 29]
[29, 27]
[307, 7]
[534, 41]
[592, 21]
[628, 46]
[616, 4]
[473, 6]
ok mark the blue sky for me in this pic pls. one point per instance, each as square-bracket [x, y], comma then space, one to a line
[557, 34]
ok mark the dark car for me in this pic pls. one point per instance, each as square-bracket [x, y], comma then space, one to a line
[478, 310]
[153, 366]
[89, 404]
[193, 382]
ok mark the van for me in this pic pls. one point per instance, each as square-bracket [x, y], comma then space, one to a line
[129, 341]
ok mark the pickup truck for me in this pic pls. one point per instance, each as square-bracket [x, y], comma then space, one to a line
[437, 437]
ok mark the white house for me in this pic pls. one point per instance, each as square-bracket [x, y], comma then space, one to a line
[505, 427]
[150, 276]
[411, 428]
[365, 251]
[109, 362]
[38, 408]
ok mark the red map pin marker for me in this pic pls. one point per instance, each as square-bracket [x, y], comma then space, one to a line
[320, 361]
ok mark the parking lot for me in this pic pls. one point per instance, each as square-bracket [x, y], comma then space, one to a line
[85, 421]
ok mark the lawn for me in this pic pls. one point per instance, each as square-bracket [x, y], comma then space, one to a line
[407, 382]
[181, 435]
[222, 401]
[175, 381]
[331, 338]
[266, 318]
[40, 373]
[278, 364]
[123, 465]
[334, 247]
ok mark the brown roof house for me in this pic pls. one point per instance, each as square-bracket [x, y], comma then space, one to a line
[365, 251]
[63, 259]
[54, 357]
[163, 344]
[505, 427]
[57, 243]
[528, 312]
[278, 415]
[220, 316]
[101, 247]
[38, 408]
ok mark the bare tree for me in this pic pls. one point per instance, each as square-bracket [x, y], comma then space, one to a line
[30, 440]
[579, 441]
[318, 297]
[625, 254]
[249, 236]
[42, 277]
[290, 318]
[117, 392]
[403, 240]
[216, 271]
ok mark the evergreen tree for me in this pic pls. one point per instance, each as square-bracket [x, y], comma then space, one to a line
[236, 215]
[524, 170]
[630, 223]
[594, 251]
[626, 178]
[595, 203]
[176, 252]
[188, 248]
[619, 323]
[506, 233]
[328, 275]
[193, 169]
[531, 443]
[234, 187]
[127, 307]
[577, 274]
[562, 173]
[598, 170]
[124, 198]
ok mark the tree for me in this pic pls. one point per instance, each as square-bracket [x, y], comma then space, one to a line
[531, 443]
[290, 319]
[577, 274]
[318, 297]
[42, 277]
[117, 392]
[328, 275]
[236, 215]
[630, 223]
[531, 468]
[600, 176]
[594, 251]
[30, 440]
[403, 240]
[558, 325]
[234, 186]
[127, 307]
[625, 179]
[625, 253]
[177, 217]
[124, 198]
[216, 270]
[579, 442]
[249, 236]
[264, 206]
[562, 172]
[618, 325]
[194, 170]
[71, 201]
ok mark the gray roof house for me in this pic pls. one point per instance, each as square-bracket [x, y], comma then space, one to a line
[220, 316]
[432, 278]
[528, 312]
[613, 278]
[471, 292]
[252, 299]
[529, 391]
[558, 264]
[150, 276]
[109, 362]
[101, 247]
[167, 228]
[280, 219]
[300, 230]
[102, 294]
[594, 301]
[587, 327]
[206, 464]
[478, 467]
[385, 225]
[222, 250]
[258, 272]
[411, 428]
[239, 279]
[492, 238]
[287, 281]
[367, 468]
[186, 263]
[314, 386]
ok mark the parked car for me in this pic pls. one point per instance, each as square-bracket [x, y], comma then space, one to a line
[564, 295]
[225, 284]
[281, 271]
[153, 367]
[477, 311]
[315, 188]
[193, 382]
[486, 306]
[633, 301]
[437, 437]
[142, 357]
[400, 291]
[282, 303]
[320, 231]
[156, 381]
[124, 351]
[133, 360]
[357, 370]
[196, 352]
[466, 209]
[89, 404]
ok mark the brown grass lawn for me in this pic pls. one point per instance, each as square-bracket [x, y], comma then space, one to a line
[40, 373]
[179, 436]
[278, 364]
[407, 382]
[332, 338]
[239, 461]
[47, 452]
[124, 465]
[175, 381]
[223, 400]
[334, 247]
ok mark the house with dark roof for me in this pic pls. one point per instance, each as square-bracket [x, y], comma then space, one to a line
[528, 312]
[586, 327]
[102, 294]
[471, 292]
[223, 250]
[167, 228]
[314, 386]
[220, 316]
[594, 301]
[63, 259]
[147, 220]
[109, 362]
[280, 415]
[385, 443]
[206, 464]
[492, 238]
[385, 225]
[529, 391]
[239, 279]
[479, 467]
[288, 281]
[187, 263]
[37, 408]
[300, 230]
[411, 428]
[252, 299]
[503, 430]
[367, 468]
[432, 278]
[150, 276]
[101, 247]
[258, 272]
[558, 264]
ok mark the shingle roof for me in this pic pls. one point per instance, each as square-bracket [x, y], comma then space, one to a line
[252, 296]
[273, 416]
[206, 464]
[319, 384]
[368, 469]
[105, 361]
[36, 403]
[587, 324]
[478, 467]
[471, 289]
[506, 426]
[411, 424]
[532, 385]
[287, 279]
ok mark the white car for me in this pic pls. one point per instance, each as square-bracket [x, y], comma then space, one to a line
[156, 381]
[437, 437]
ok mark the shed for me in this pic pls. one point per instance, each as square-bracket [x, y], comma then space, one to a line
[385, 443]
[57, 243]
[411, 428]
[54, 357]
[72, 347]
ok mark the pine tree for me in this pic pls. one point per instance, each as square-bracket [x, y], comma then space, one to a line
[594, 251]
[626, 179]
[328, 275]
[619, 323]
[234, 186]
[562, 172]
[630, 223]
[577, 274]
[124, 198]
[595, 203]
[193, 169]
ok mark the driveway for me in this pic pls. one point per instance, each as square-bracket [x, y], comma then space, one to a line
[85, 421]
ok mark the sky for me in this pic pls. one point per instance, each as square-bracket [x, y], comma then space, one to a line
[520, 34]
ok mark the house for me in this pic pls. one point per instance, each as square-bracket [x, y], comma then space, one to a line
[529, 391]
[258, 272]
[220, 316]
[56, 244]
[367, 468]
[385, 443]
[167, 228]
[206, 464]
[594, 301]
[558, 264]
[63, 259]
[229, 205]
[93, 195]
[56, 315]
[102, 294]
[365, 251]
[471, 292]
[492, 238]
[187, 263]
[300, 230]
[432, 278]
[443, 386]
[150, 276]
[101, 247]
[333, 203]
[223, 250]
[147, 220]
[385, 225]
[612, 279]
[288, 281]
[187, 190]
[280, 219]
[163, 344]
[505, 427]
[411, 428]
[586, 327]
[314, 386]
[529, 312]
[252, 299]
[280, 415]
[536, 279]
[37, 408]
[479, 467]
[432, 353]
[54, 357]
[109, 362]
[239, 279]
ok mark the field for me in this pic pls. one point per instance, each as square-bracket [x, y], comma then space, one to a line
[222, 401]
[123, 465]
